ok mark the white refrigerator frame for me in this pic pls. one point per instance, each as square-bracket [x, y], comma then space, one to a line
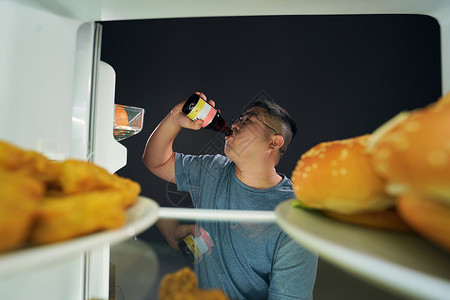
[57, 98]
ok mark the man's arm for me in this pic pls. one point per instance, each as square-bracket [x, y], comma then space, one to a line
[158, 155]
[159, 158]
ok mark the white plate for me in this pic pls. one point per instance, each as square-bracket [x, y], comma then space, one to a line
[140, 216]
[402, 262]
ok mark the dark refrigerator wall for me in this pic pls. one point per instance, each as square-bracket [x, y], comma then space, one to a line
[339, 77]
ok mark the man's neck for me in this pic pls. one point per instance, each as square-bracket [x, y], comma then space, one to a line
[258, 176]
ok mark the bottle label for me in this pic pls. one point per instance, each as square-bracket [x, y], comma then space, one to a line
[199, 245]
[190, 242]
[202, 111]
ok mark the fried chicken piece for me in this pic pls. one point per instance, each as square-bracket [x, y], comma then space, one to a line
[19, 201]
[13, 158]
[128, 188]
[183, 285]
[77, 177]
[64, 217]
[181, 282]
[80, 198]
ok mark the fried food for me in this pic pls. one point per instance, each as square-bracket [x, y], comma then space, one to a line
[128, 189]
[13, 158]
[20, 197]
[77, 177]
[86, 199]
[183, 285]
[62, 218]
[43, 201]
[181, 282]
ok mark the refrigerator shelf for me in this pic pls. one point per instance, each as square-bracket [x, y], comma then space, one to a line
[404, 263]
[142, 215]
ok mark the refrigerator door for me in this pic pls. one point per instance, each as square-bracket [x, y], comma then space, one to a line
[111, 155]
[38, 53]
[106, 152]
[48, 104]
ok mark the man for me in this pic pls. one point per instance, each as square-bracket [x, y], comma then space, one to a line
[248, 260]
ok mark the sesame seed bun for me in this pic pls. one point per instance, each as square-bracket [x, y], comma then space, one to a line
[338, 176]
[428, 217]
[412, 152]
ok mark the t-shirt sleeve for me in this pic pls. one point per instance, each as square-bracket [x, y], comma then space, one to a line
[293, 273]
[191, 171]
[187, 173]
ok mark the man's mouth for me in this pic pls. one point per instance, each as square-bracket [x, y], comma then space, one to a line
[235, 131]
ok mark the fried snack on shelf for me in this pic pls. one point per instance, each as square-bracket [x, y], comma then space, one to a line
[20, 196]
[183, 285]
[77, 177]
[64, 217]
[43, 201]
[128, 188]
[181, 282]
[13, 158]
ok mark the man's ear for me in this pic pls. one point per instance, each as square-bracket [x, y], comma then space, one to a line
[277, 142]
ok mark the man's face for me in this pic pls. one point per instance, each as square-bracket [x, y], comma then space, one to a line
[251, 135]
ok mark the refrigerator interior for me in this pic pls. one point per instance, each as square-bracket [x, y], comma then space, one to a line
[51, 80]
[341, 76]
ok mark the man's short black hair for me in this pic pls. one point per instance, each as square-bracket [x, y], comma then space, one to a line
[288, 125]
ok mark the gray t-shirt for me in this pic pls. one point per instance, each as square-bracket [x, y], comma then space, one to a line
[248, 260]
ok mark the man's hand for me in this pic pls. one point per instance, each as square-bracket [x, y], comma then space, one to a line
[158, 155]
[175, 232]
[182, 120]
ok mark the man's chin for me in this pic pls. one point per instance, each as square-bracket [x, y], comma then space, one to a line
[226, 151]
[231, 153]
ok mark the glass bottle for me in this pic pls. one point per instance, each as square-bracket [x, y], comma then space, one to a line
[194, 247]
[196, 108]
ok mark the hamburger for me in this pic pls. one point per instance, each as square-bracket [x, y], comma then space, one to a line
[338, 178]
[412, 153]
[427, 217]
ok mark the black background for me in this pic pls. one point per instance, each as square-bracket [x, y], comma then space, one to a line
[338, 76]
